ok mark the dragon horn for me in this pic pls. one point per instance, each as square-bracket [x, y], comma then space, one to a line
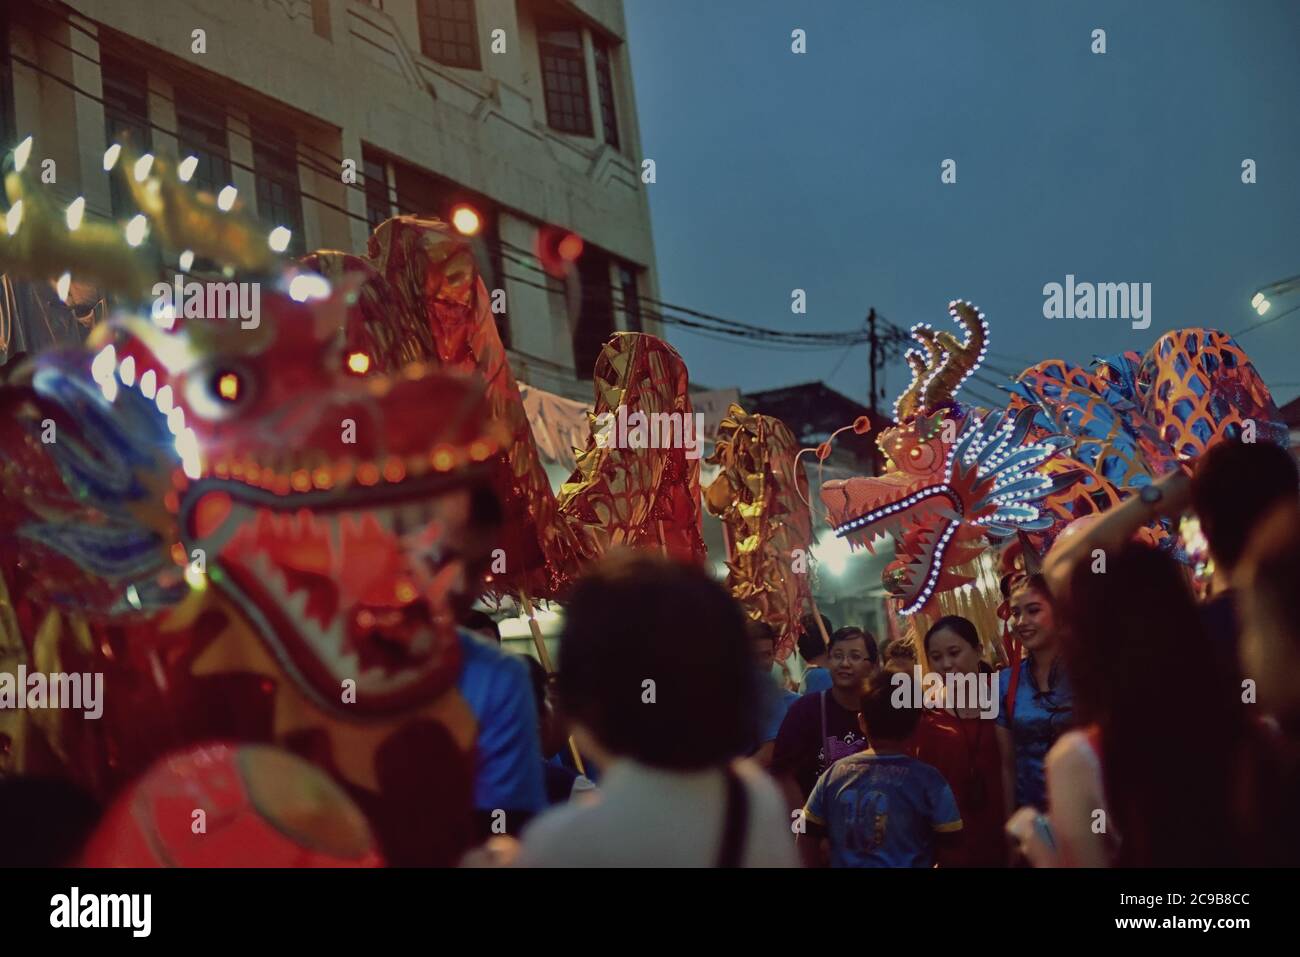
[40, 241]
[909, 403]
[960, 359]
[905, 404]
[186, 219]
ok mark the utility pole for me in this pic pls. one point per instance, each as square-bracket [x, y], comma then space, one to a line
[877, 361]
[875, 349]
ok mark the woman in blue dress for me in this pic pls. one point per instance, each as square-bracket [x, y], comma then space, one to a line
[1035, 700]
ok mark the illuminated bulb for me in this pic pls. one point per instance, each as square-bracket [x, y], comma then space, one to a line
[109, 388]
[164, 400]
[187, 168]
[176, 420]
[190, 457]
[142, 167]
[187, 260]
[104, 363]
[359, 363]
[148, 383]
[133, 597]
[226, 198]
[127, 371]
[63, 285]
[279, 239]
[110, 156]
[466, 220]
[308, 285]
[570, 247]
[1262, 308]
[15, 216]
[195, 578]
[76, 211]
[136, 230]
[21, 152]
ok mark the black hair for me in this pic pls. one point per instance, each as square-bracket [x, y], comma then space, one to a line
[882, 718]
[760, 631]
[850, 632]
[811, 642]
[1035, 582]
[963, 628]
[44, 822]
[1235, 485]
[908, 650]
[1144, 671]
[537, 675]
[480, 622]
[625, 627]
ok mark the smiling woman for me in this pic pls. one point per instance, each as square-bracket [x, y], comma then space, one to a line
[1036, 697]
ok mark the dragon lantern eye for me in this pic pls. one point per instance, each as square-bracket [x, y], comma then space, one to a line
[218, 393]
[228, 386]
[921, 458]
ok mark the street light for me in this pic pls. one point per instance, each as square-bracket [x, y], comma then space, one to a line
[1261, 302]
[833, 553]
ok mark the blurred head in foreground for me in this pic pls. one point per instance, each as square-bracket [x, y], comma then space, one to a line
[656, 665]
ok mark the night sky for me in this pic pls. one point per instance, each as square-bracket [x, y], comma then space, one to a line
[822, 171]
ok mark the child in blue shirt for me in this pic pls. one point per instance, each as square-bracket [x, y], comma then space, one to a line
[882, 807]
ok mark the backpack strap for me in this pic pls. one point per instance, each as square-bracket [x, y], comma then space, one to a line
[735, 820]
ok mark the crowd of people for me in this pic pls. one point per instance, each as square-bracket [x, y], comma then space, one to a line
[1139, 727]
[1134, 725]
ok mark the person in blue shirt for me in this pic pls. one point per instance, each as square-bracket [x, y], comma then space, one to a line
[774, 700]
[812, 648]
[1042, 707]
[508, 752]
[882, 807]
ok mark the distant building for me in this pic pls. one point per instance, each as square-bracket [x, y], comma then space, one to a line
[522, 109]
[812, 411]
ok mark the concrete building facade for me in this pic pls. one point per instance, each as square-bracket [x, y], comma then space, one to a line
[523, 109]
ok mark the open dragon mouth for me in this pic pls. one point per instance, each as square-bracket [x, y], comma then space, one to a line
[921, 519]
[343, 587]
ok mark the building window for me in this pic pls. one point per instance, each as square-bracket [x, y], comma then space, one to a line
[279, 200]
[379, 205]
[605, 88]
[631, 297]
[564, 80]
[422, 194]
[126, 119]
[201, 132]
[596, 316]
[447, 32]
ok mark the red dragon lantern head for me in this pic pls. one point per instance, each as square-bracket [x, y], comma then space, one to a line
[953, 480]
[251, 459]
[178, 450]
